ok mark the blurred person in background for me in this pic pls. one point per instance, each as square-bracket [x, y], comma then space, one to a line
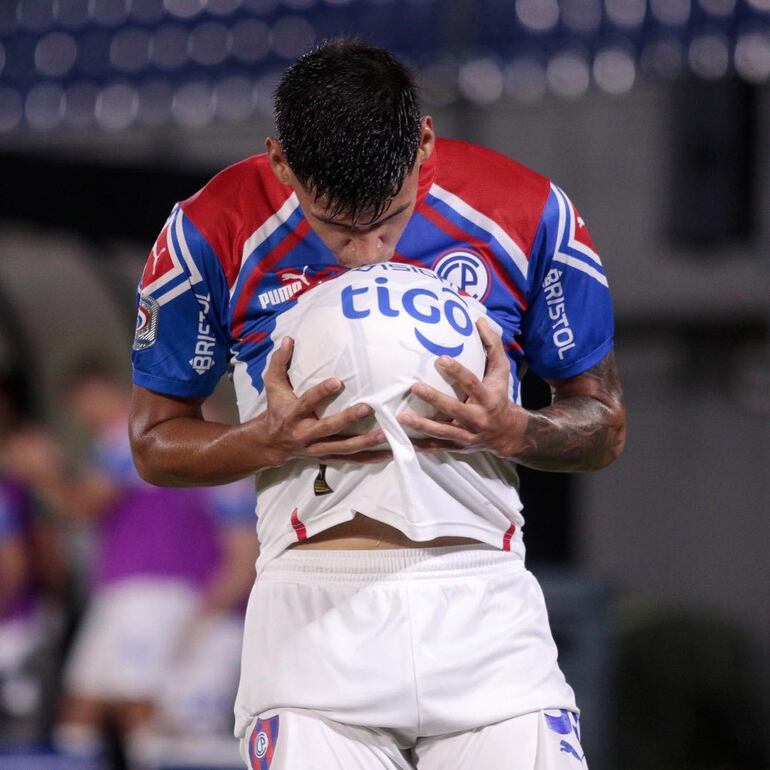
[24, 623]
[33, 587]
[168, 580]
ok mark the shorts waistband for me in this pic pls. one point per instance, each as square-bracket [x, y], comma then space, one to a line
[390, 564]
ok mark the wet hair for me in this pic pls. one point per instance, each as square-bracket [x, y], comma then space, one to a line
[348, 120]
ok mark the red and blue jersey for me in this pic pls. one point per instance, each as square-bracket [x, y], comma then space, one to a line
[234, 258]
[240, 252]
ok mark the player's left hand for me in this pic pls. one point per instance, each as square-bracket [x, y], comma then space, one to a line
[486, 421]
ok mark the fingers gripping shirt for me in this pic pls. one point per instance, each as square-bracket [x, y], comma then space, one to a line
[569, 325]
[180, 345]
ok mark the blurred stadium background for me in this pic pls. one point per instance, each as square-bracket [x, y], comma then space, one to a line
[653, 114]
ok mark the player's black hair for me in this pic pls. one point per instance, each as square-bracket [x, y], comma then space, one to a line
[348, 120]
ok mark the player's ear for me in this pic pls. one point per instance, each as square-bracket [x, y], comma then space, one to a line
[427, 139]
[277, 161]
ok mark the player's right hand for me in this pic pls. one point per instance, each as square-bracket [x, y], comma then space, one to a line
[290, 427]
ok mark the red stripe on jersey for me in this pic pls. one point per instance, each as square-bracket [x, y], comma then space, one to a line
[159, 261]
[253, 749]
[298, 526]
[232, 206]
[271, 745]
[514, 346]
[270, 260]
[507, 537]
[581, 231]
[461, 236]
[497, 186]
[256, 337]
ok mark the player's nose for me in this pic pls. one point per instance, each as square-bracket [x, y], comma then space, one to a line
[364, 249]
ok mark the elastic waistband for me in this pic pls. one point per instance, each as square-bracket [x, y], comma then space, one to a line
[390, 564]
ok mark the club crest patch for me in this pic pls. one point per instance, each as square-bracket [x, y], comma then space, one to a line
[466, 270]
[146, 322]
[262, 743]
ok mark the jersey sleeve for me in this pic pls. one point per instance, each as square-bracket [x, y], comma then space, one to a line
[181, 344]
[568, 326]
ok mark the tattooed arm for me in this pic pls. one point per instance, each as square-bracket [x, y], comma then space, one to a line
[582, 430]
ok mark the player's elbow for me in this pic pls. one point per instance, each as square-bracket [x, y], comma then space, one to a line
[616, 435]
[147, 459]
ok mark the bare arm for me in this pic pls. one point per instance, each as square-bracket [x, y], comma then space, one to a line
[582, 430]
[174, 445]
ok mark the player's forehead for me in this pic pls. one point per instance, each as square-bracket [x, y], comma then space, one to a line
[331, 212]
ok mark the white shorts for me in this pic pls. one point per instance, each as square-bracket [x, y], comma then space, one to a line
[128, 639]
[418, 642]
[288, 740]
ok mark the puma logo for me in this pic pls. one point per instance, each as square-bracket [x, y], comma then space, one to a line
[156, 255]
[296, 276]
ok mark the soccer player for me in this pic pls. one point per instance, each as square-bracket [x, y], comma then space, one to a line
[392, 623]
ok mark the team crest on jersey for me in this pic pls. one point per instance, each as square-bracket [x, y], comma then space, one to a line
[146, 323]
[262, 743]
[466, 270]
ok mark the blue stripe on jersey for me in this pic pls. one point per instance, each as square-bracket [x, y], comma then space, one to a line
[564, 215]
[175, 283]
[310, 253]
[568, 327]
[504, 258]
[254, 356]
[190, 353]
[264, 248]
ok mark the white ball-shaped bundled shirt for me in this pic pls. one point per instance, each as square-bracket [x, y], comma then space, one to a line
[380, 329]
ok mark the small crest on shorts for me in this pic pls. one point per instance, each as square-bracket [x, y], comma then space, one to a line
[146, 322]
[262, 743]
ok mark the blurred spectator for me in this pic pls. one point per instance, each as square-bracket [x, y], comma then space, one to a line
[22, 621]
[31, 573]
[161, 579]
[204, 679]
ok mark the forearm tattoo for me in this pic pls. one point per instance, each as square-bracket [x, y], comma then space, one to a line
[583, 429]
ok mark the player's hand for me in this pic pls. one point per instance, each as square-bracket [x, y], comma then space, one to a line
[486, 421]
[289, 427]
